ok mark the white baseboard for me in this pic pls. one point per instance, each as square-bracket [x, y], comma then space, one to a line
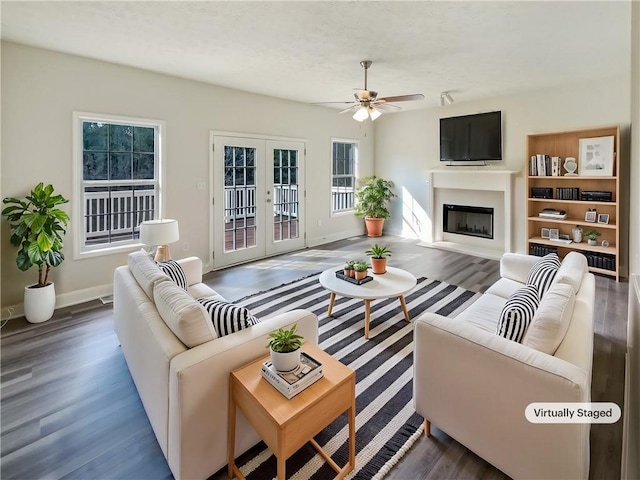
[71, 298]
[467, 249]
[314, 242]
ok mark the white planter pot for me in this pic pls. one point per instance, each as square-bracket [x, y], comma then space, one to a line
[592, 242]
[285, 362]
[39, 303]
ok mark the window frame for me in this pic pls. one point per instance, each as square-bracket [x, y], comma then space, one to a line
[81, 251]
[356, 144]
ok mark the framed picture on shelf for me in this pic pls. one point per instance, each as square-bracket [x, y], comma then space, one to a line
[596, 156]
[590, 216]
[603, 218]
[545, 233]
[554, 234]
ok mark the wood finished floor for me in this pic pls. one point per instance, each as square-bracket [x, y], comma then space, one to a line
[70, 409]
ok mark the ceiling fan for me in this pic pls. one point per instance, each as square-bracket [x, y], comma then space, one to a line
[367, 103]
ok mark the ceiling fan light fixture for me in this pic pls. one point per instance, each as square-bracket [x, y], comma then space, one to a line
[373, 113]
[361, 114]
[445, 99]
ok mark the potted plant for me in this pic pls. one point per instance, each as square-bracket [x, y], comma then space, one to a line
[591, 235]
[361, 270]
[378, 256]
[372, 199]
[284, 347]
[348, 268]
[37, 229]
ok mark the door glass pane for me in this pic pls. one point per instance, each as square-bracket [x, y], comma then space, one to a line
[285, 195]
[239, 198]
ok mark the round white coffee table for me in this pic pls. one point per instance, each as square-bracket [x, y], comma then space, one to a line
[395, 283]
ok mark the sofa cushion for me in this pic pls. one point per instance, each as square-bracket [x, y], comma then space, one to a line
[552, 319]
[484, 312]
[145, 271]
[573, 267]
[226, 317]
[543, 273]
[504, 287]
[174, 271]
[186, 318]
[517, 313]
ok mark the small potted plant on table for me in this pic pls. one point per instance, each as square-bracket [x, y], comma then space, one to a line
[284, 347]
[591, 235]
[348, 268]
[378, 256]
[361, 270]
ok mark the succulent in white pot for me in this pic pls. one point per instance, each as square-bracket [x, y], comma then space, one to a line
[284, 347]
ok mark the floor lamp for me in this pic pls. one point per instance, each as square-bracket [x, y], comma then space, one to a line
[160, 233]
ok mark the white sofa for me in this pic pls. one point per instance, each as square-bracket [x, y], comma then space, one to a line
[185, 390]
[475, 385]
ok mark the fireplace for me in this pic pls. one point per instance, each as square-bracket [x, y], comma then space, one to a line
[467, 220]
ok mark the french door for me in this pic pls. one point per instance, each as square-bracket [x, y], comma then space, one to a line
[258, 198]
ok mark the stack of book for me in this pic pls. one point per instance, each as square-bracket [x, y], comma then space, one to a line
[542, 165]
[291, 383]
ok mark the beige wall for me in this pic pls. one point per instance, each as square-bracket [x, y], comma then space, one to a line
[407, 144]
[41, 89]
[634, 221]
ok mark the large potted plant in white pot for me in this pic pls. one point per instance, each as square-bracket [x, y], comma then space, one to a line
[37, 229]
[372, 200]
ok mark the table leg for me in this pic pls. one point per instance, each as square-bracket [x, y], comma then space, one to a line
[231, 432]
[404, 308]
[282, 463]
[332, 298]
[367, 316]
[352, 434]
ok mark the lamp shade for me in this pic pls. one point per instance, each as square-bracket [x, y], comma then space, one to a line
[373, 113]
[159, 232]
[361, 114]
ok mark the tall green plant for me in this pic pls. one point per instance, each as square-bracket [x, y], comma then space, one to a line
[373, 196]
[37, 228]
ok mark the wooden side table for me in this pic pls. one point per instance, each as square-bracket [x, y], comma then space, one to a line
[286, 425]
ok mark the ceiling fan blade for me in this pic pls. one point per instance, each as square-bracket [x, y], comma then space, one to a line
[333, 103]
[386, 107]
[403, 98]
[352, 107]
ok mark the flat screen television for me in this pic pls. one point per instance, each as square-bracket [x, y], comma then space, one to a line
[473, 138]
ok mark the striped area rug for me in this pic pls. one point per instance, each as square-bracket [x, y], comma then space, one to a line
[386, 423]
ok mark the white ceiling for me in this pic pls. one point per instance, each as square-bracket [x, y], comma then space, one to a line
[310, 51]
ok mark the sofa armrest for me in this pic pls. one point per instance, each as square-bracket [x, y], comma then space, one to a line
[199, 394]
[475, 386]
[192, 267]
[516, 266]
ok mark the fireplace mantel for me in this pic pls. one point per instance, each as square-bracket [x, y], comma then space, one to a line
[477, 179]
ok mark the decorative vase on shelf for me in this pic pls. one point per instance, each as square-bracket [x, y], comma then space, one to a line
[577, 234]
[570, 166]
[592, 241]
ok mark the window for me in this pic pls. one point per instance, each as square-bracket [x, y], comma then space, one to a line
[343, 175]
[117, 164]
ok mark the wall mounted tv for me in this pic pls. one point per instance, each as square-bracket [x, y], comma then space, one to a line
[471, 137]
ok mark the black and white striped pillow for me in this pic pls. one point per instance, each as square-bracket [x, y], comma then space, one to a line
[226, 317]
[175, 272]
[543, 272]
[518, 312]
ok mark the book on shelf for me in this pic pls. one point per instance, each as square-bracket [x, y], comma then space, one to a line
[291, 383]
[556, 166]
[565, 241]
